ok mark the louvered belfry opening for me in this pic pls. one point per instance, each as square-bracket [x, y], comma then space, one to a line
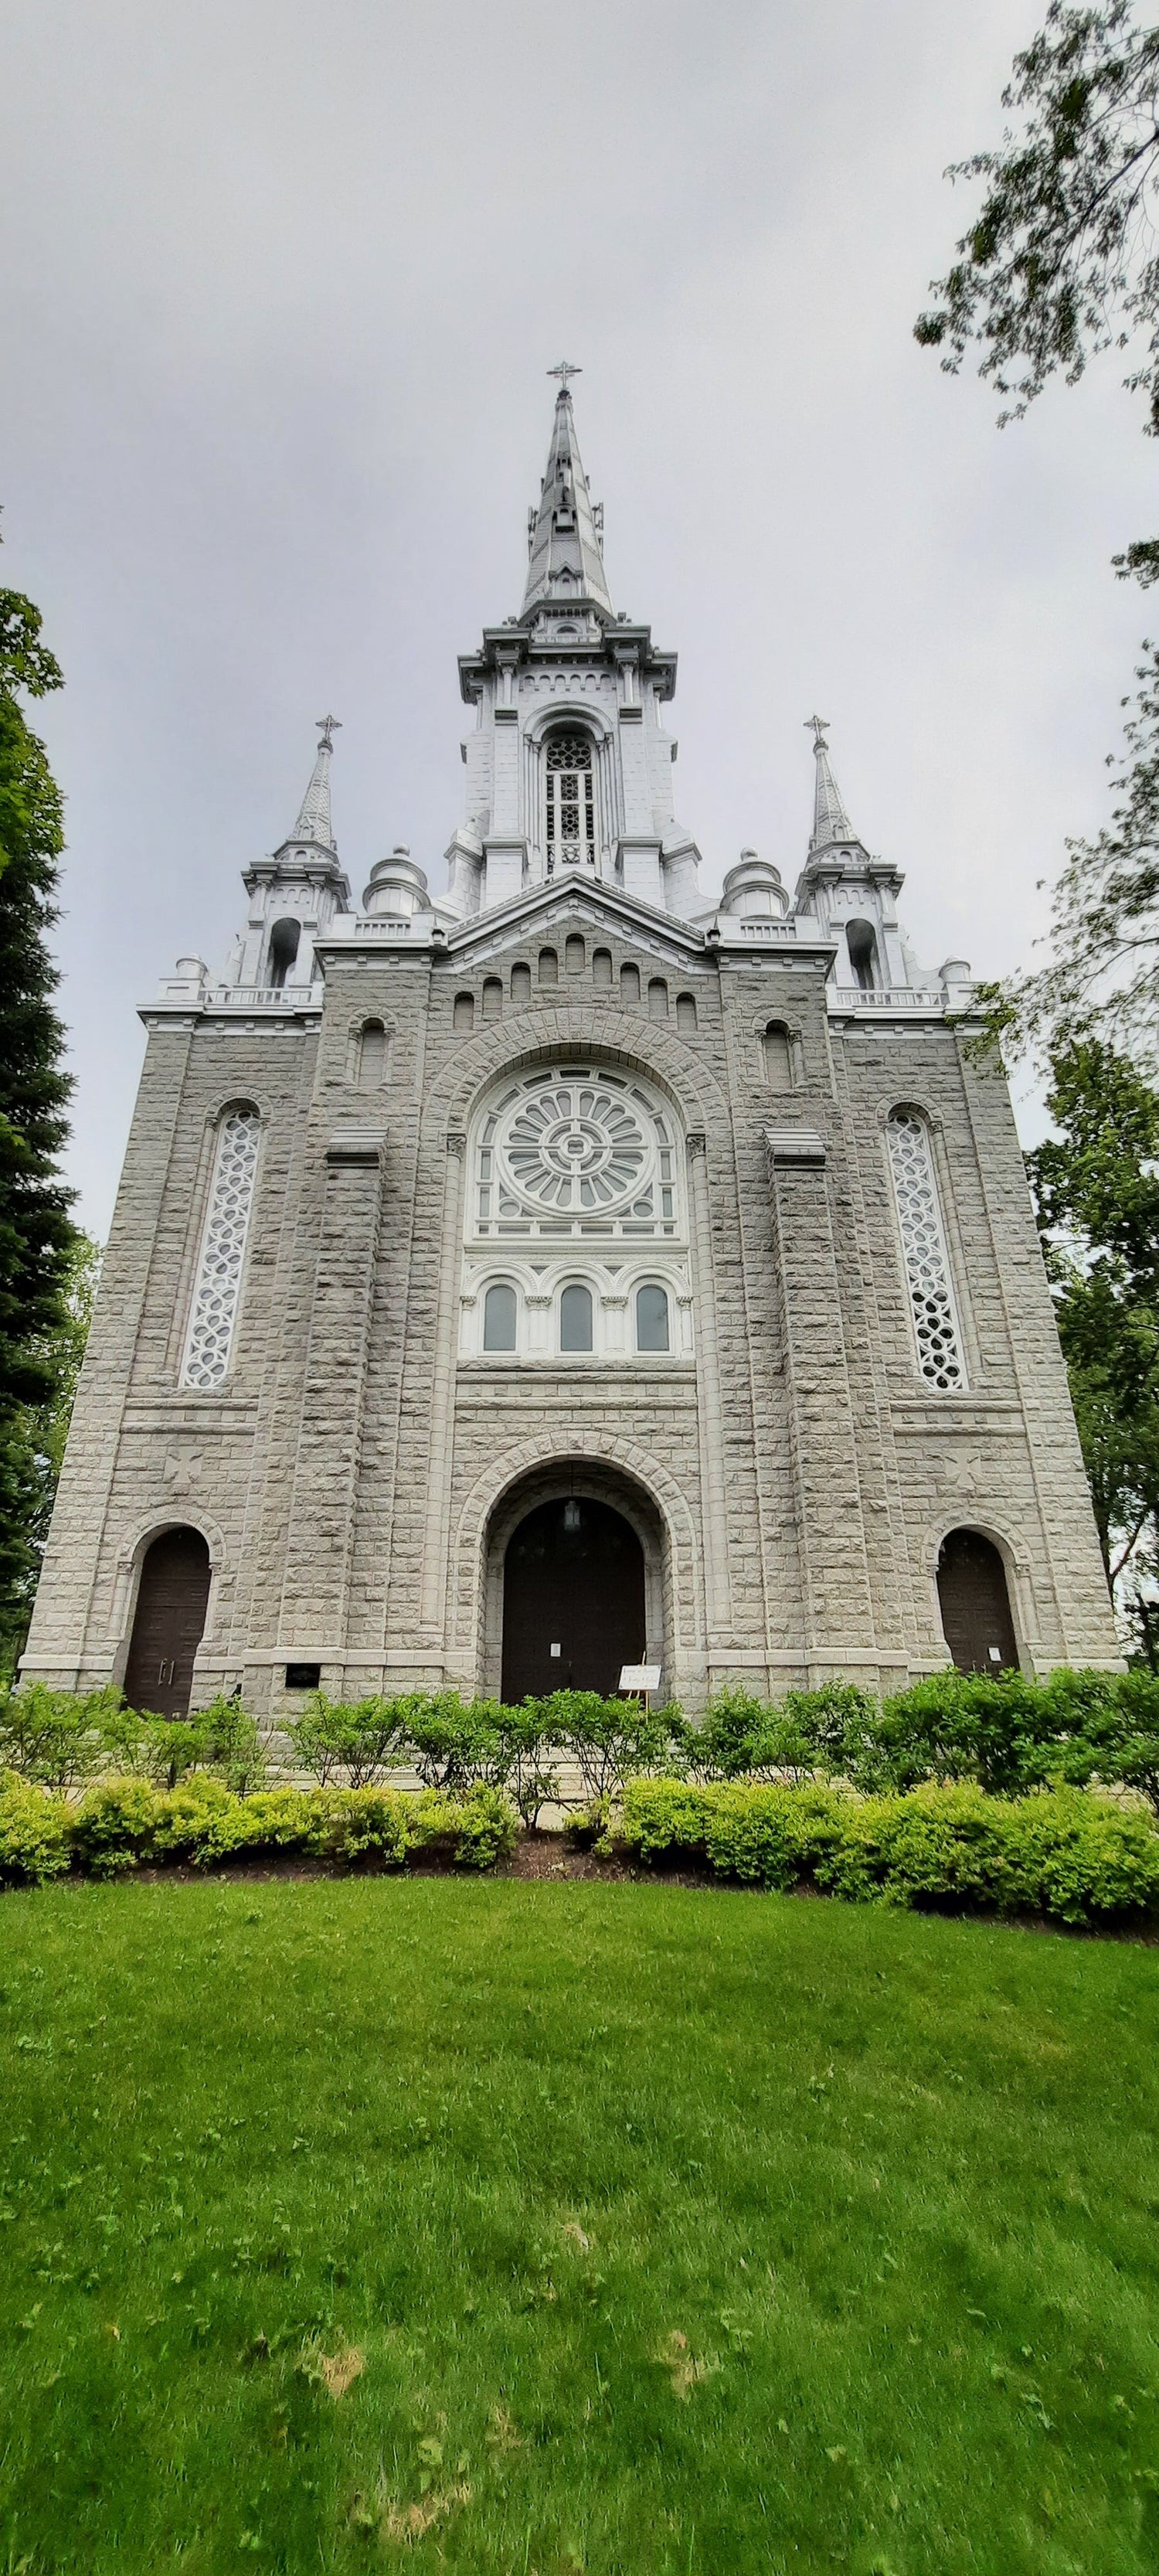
[975, 1604]
[169, 1623]
[571, 811]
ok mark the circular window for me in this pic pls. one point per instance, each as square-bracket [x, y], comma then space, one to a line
[578, 1147]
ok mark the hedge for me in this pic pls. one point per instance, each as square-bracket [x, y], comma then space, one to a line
[125, 1822]
[1067, 1853]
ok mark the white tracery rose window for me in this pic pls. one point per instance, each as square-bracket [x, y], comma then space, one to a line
[924, 1250]
[218, 1289]
[576, 1152]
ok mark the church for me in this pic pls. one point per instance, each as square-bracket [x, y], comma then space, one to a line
[567, 1270]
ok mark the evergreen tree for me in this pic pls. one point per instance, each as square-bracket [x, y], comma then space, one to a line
[36, 1231]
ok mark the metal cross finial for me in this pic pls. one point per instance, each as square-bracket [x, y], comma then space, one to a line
[327, 725]
[563, 371]
[817, 724]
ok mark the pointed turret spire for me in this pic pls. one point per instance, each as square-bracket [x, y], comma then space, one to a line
[314, 822]
[567, 566]
[830, 820]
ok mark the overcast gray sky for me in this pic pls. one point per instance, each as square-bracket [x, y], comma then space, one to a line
[279, 290]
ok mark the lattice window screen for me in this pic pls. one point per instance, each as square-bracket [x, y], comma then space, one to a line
[215, 1298]
[924, 1247]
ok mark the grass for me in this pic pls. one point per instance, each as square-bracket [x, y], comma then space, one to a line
[677, 2233]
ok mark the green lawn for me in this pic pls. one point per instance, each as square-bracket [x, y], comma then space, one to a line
[687, 2232]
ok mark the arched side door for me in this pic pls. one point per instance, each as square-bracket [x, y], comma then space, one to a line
[975, 1604]
[168, 1624]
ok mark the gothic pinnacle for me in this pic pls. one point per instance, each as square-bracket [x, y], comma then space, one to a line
[566, 569]
[830, 820]
[314, 822]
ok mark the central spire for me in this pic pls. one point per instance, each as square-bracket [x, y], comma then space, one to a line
[564, 532]
[830, 820]
[314, 822]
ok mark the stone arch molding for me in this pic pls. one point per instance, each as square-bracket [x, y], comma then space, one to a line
[554, 711]
[691, 1088]
[169, 1515]
[599, 1449]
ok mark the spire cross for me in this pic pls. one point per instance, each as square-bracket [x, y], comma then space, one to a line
[327, 726]
[563, 371]
[816, 724]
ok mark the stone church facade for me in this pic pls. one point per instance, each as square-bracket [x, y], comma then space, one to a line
[567, 1271]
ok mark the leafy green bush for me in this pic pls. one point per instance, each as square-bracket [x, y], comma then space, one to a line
[1065, 1853]
[486, 1828]
[35, 1841]
[452, 1743]
[167, 1748]
[609, 1739]
[361, 1739]
[353, 1823]
[114, 1826]
[56, 1738]
[235, 1745]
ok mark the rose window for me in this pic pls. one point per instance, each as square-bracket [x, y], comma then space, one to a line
[572, 1152]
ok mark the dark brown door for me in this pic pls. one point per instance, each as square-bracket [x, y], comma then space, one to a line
[167, 1628]
[573, 1581]
[975, 1604]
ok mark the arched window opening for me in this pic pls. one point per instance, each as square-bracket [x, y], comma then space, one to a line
[372, 1056]
[284, 939]
[464, 1013]
[548, 966]
[657, 998]
[575, 1318]
[575, 955]
[168, 1623]
[520, 985]
[492, 998]
[686, 1014]
[974, 1600]
[602, 967]
[924, 1252]
[629, 983]
[778, 1055]
[651, 1318]
[863, 954]
[499, 1317]
[217, 1290]
[571, 813]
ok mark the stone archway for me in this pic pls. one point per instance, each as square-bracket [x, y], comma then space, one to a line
[573, 1599]
[168, 1623]
[576, 1556]
[974, 1600]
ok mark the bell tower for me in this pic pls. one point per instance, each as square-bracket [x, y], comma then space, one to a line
[569, 768]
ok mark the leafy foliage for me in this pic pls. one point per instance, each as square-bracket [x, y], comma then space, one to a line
[1059, 263]
[36, 1232]
[1096, 1195]
[1079, 1859]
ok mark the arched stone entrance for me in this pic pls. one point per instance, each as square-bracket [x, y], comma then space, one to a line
[168, 1623]
[974, 1600]
[576, 1556]
[573, 1599]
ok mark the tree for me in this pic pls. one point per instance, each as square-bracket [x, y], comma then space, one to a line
[36, 1441]
[1096, 1196]
[1059, 264]
[36, 1231]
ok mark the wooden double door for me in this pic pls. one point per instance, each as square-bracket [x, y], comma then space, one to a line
[573, 1600]
[168, 1624]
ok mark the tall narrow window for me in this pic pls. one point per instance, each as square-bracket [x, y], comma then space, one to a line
[372, 1053]
[863, 954]
[575, 1318]
[574, 954]
[924, 1250]
[571, 812]
[464, 1014]
[651, 1318]
[602, 967]
[218, 1288]
[548, 966]
[629, 983]
[686, 1014]
[499, 1315]
[520, 985]
[492, 998]
[657, 998]
[778, 1057]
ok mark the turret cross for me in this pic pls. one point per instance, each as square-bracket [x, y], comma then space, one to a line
[817, 725]
[327, 726]
[563, 371]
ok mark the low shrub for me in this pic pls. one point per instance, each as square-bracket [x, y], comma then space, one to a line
[486, 1828]
[114, 1826]
[34, 1833]
[1067, 1853]
[361, 1739]
[356, 1823]
[609, 1739]
[57, 1738]
[452, 1743]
